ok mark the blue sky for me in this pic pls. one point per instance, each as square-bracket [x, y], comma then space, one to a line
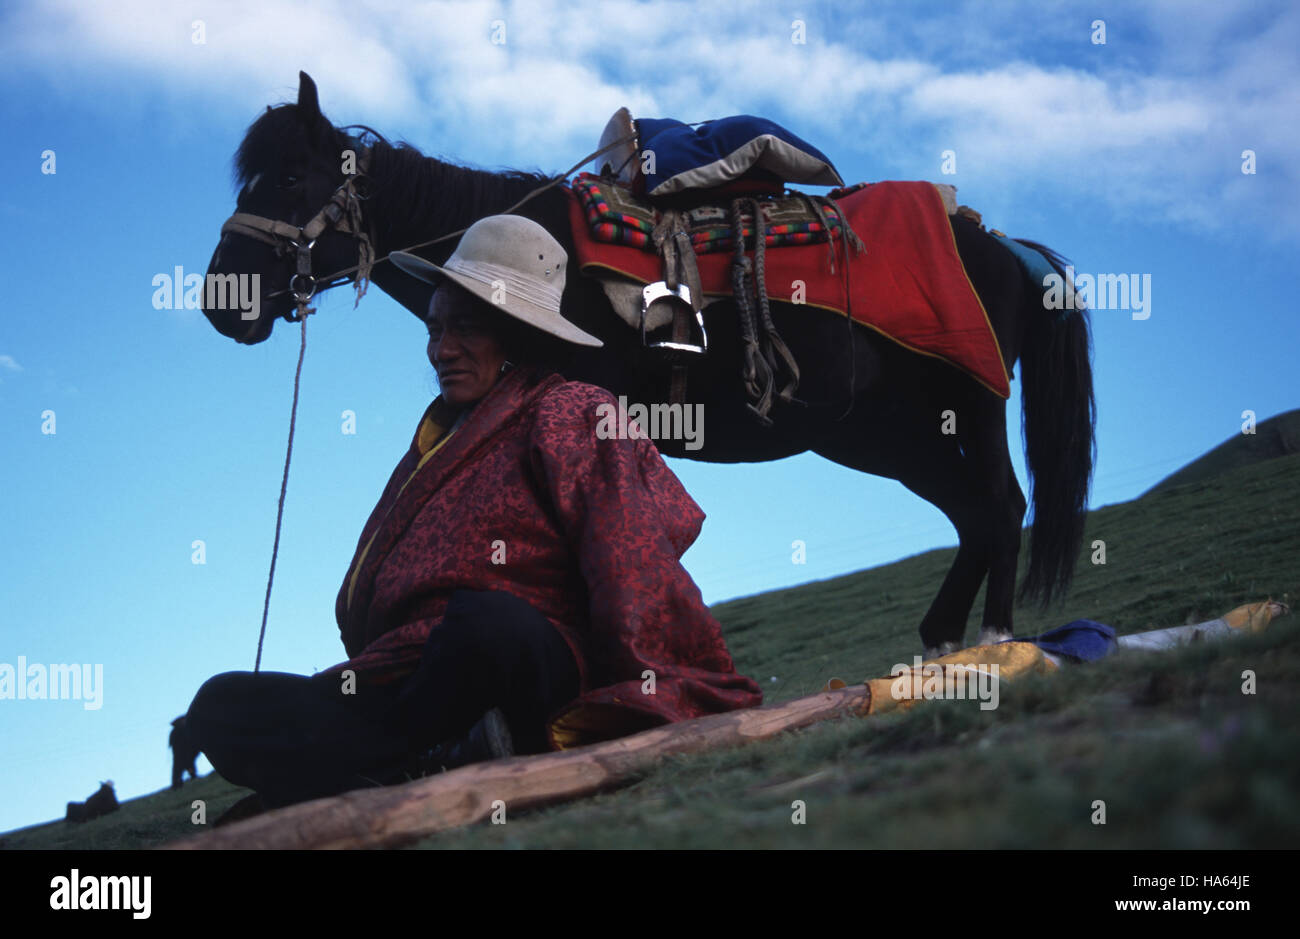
[1125, 156]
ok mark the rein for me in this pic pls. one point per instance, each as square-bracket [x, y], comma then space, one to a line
[284, 485]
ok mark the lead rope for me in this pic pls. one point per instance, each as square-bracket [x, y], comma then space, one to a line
[303, 312]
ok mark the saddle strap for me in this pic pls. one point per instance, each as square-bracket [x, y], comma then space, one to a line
[677, 377]
[755, 372]
[775, 350]
[674, 244]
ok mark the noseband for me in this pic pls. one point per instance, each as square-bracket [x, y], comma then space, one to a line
[342, 213]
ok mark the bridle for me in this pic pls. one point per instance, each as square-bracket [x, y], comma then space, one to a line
[342, 213]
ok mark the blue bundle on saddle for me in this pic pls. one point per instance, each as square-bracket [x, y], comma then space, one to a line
[729, 149]
[743, 152]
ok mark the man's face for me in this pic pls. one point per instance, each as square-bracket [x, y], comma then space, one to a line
[462, 349]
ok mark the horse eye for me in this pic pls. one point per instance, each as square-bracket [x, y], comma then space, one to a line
[287, 180]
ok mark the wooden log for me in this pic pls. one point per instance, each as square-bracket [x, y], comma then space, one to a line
[392, 816]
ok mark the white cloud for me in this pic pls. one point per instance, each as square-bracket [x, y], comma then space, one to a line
[9, 364]
[1152, 124]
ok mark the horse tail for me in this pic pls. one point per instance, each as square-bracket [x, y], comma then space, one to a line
[1059, 427]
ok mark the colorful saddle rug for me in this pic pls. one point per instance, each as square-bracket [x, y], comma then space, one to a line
[909, 285]
[616, 216]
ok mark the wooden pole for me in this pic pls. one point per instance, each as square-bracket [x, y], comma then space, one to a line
[391, 816]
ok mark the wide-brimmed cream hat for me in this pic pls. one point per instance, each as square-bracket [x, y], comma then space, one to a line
[514, 264]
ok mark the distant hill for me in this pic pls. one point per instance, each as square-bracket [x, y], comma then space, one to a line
[1275, 437]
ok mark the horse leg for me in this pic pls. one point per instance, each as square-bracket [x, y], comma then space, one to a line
[951, 487]
[934, 467]
[1004, 514]
[1004, 558]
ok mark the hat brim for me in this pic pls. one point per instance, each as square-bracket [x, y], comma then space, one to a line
[518, 308]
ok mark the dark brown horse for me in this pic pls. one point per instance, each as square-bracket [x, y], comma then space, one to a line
[864, 401]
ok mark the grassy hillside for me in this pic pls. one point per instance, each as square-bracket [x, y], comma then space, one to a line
[1275, 437]
[1167, 740]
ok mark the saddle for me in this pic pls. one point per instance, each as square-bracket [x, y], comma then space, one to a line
[680, 192]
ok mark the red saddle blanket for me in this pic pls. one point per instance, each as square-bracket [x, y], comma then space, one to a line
[909, 285]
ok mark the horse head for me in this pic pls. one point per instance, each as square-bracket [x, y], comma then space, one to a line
[297, 222]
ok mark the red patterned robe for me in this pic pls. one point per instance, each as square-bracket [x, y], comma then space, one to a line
[524, 497]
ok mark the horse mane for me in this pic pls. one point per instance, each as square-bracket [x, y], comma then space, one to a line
[429, 186]
[424, 186]
[267, 138]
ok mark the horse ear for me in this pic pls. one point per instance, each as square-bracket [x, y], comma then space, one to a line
[308, 103]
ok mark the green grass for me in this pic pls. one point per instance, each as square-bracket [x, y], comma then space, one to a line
[1168, 741]
[1183, 761]
[140, 823]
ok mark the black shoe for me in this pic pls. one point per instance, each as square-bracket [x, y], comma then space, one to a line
[489, 739]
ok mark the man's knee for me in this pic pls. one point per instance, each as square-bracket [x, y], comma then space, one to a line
[213, 701]
[523, 644]
[489, 629]
[232, 701]
[491, 615]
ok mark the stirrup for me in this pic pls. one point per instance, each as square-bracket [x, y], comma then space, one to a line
[660, 290]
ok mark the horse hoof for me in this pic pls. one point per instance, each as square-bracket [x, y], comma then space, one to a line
[943, 648]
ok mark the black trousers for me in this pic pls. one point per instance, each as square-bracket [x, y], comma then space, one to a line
[292, 737]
